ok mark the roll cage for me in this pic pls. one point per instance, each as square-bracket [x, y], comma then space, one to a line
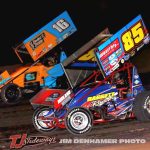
[80, 71]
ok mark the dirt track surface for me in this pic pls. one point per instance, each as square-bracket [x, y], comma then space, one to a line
[18, 120]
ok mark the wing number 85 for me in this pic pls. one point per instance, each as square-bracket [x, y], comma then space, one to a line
[133, 36]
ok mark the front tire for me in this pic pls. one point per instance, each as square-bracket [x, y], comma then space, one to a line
[43, 120]
[79, 121]
[11, 94]
[141, 106]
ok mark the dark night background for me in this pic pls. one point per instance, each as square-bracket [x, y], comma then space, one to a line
[20, 19]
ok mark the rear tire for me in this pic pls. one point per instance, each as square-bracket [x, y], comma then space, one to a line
[11, 94]
[79, 121]
[141, 106]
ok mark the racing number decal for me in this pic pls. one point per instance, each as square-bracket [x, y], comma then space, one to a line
[138, 33]
[128, 42]
[133, 36]
[61, 25]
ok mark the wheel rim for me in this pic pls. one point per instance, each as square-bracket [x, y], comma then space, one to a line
[44, 121]
[79, 121]
[148, 104]
[12, 93]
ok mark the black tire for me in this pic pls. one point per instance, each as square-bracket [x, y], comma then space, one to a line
[38, 125]
[84, 115]
[11, 94]
[141, 106]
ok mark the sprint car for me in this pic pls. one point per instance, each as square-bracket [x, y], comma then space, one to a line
[29, 79]
[44, 62]
[101, 85]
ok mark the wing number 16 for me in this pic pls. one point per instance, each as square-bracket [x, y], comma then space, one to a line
[132, 37]
[61, 25]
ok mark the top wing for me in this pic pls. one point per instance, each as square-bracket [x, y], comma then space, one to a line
[84, 53]
[122, 45]
[49, 36]
[81, 63]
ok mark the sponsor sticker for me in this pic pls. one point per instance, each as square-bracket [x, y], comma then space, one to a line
[101, 96]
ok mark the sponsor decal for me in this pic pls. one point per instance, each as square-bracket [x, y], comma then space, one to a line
[52, 97]
[119, 52]
[136, 81]
[136, 76]
[101, 96]
[108, 50]
[37, 41]
[112, 57]
[61, 99]
[105, 62]
[100, 102]
[30, 76]
[113, 62]
[115, 67]
[39, 54]
[126, 57]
